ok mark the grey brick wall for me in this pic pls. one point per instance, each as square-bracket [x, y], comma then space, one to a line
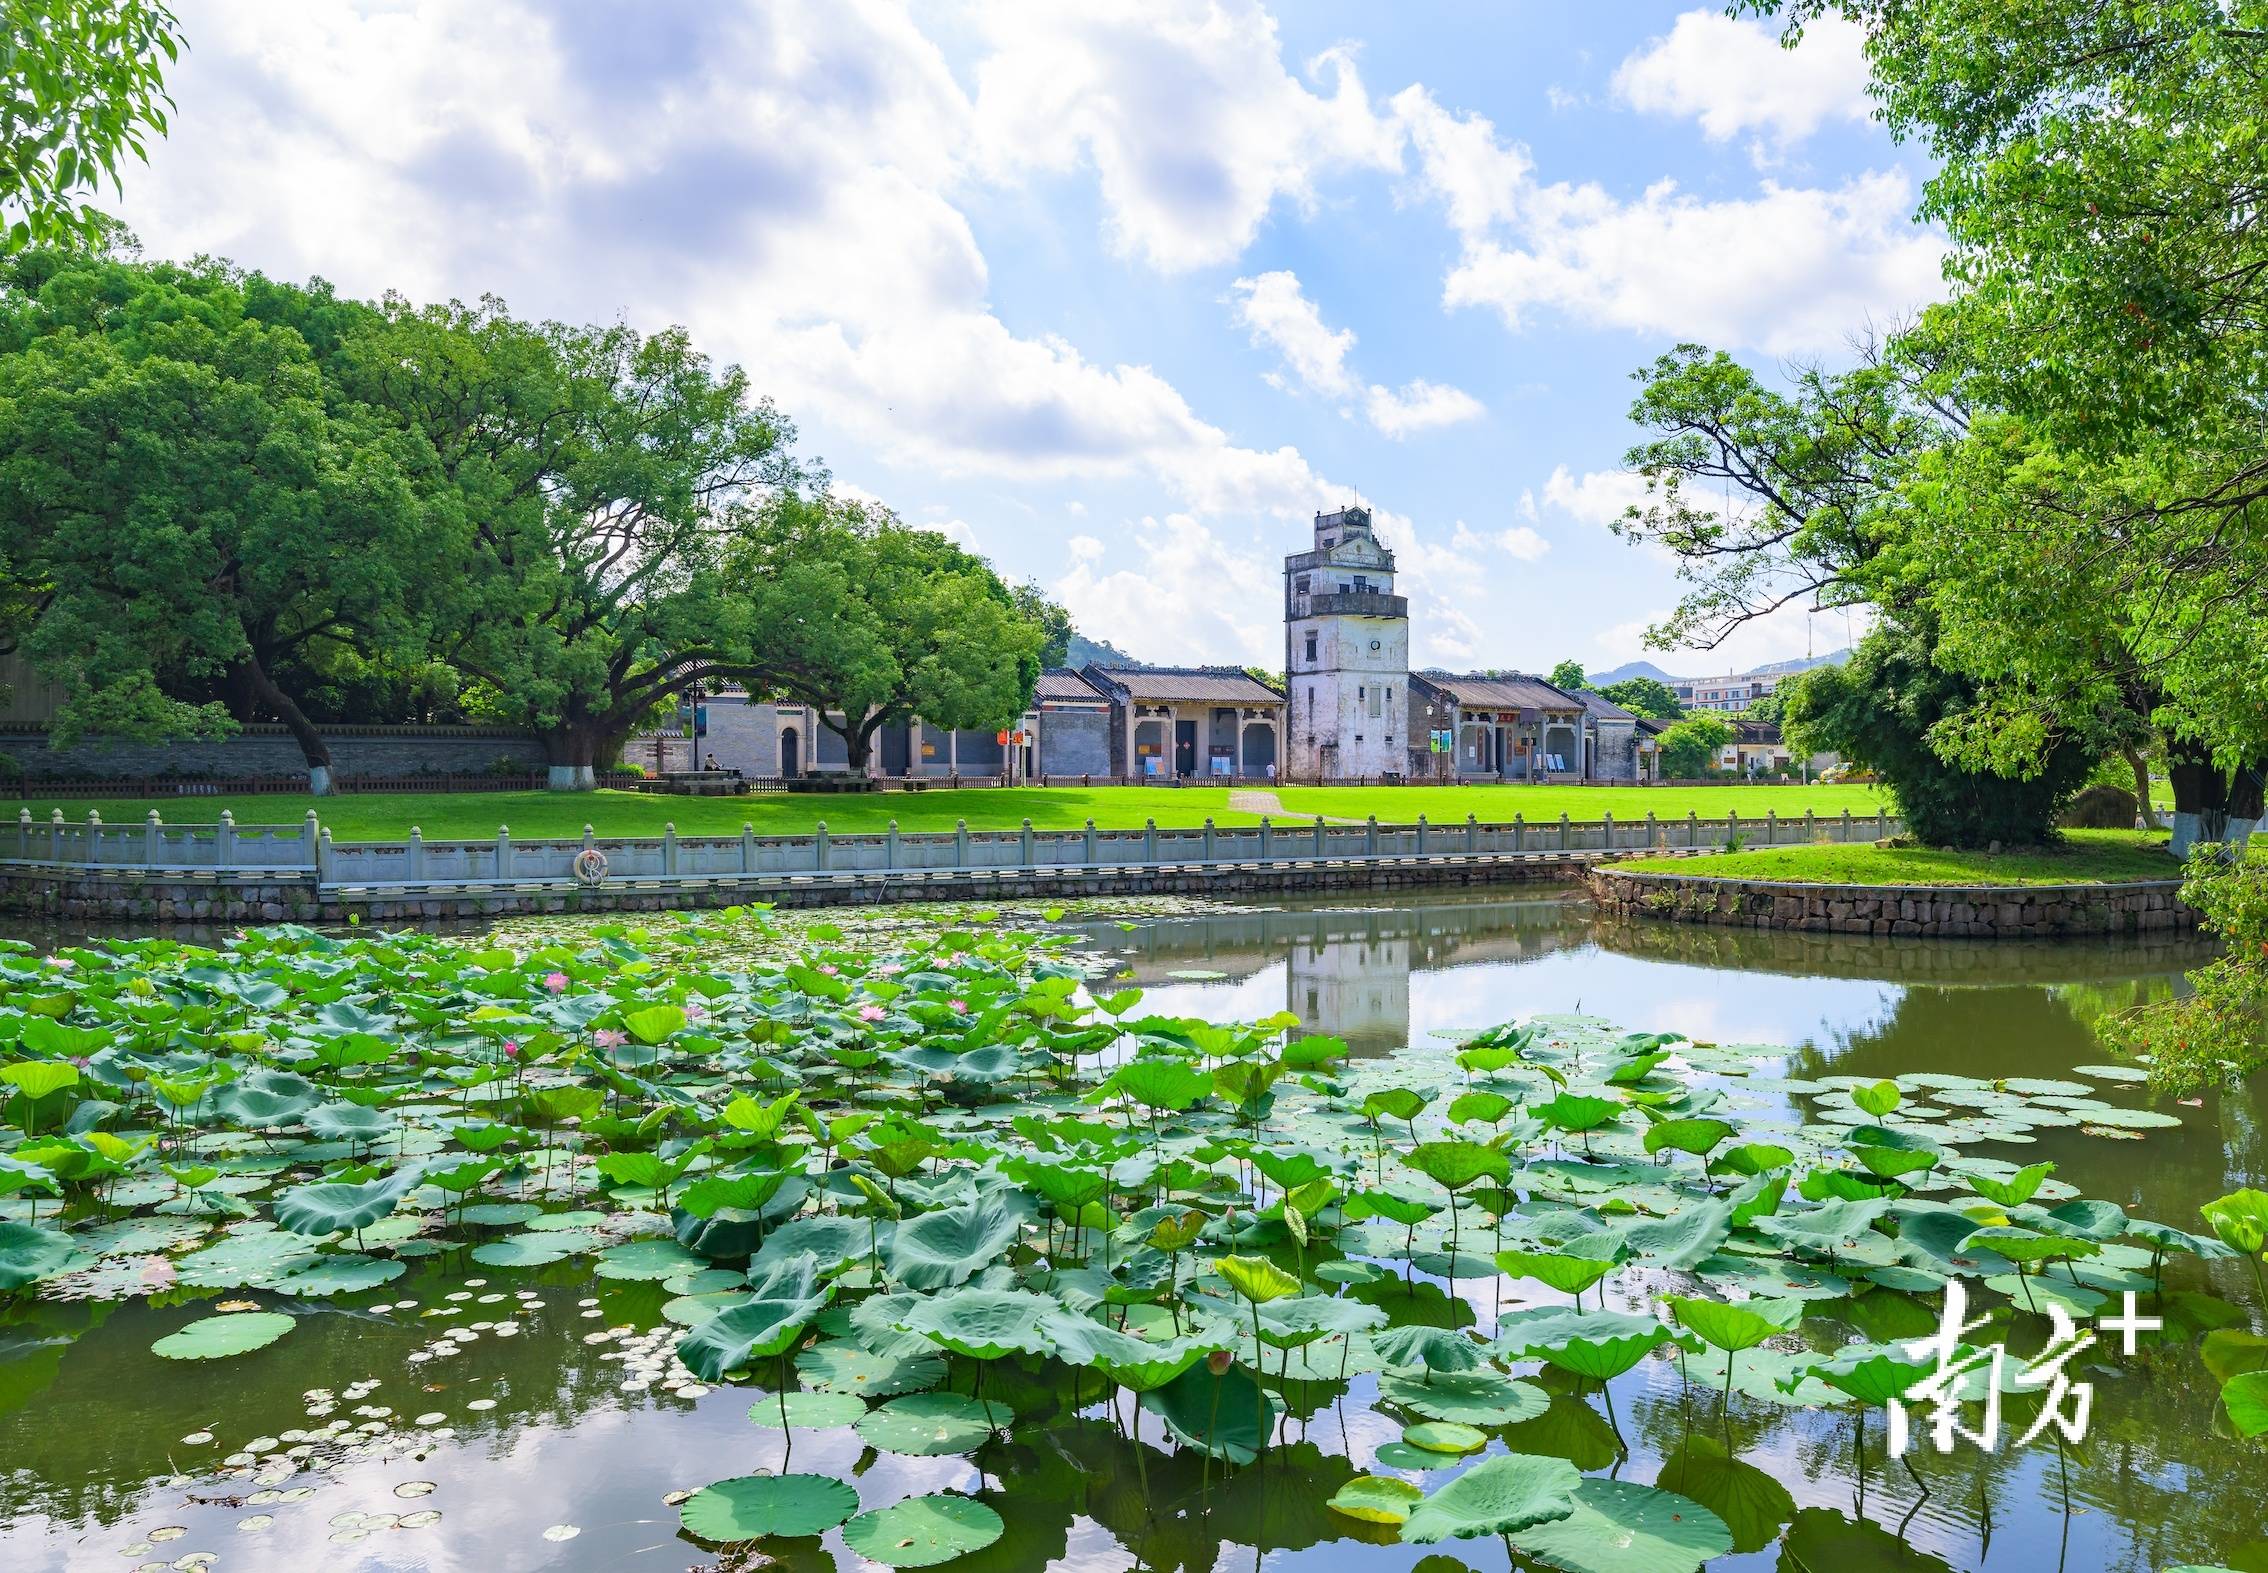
[1074, 743]
[271, 752]
[744, 737]
[1617, 755]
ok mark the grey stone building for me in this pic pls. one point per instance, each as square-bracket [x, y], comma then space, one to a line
[1507, 727]
[1183, 723]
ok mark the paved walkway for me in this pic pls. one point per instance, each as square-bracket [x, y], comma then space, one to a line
[1244, 800]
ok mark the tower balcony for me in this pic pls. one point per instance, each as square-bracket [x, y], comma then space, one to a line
[1349, 603]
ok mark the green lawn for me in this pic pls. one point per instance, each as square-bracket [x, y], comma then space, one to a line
[2087, 857]
[552, 815]
[1500, 803]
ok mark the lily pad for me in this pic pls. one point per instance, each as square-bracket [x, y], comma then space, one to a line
[755, 1507]
[923, 1531]
[218, 1337]
[932, 1424]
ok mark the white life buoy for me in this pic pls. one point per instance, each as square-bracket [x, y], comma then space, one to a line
[590, 866]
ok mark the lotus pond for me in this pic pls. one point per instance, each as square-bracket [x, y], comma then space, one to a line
[1456, 1235]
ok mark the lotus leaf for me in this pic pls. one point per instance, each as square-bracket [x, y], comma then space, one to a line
[1498, 1496]
[932, 1424]
[923, 1531]
[757, 1507]
[218, 1337]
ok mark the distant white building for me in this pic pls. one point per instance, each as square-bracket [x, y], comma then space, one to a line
[1727, 695]
[1346, 656]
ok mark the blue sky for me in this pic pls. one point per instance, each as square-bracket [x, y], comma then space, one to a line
[1117, 294]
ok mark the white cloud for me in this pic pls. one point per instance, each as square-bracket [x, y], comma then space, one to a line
[1789, 270]
[1418, 406]
[1519, 542]
[1733, 77]
[1281, 316]
[1523, 543]
[1193, 126]
[1460, 161]
[1278, 313]
[1192, 595]
[1599, 497]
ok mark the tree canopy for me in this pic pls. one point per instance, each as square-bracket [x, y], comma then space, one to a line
[870, 621]
[81, 87]
[1645, 696]
[1568, 675]
[191, 515]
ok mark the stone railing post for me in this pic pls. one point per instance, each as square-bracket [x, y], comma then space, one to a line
[314, 830]
[416, 868]
[1692, 828]
[1421, 835]
[1319, 834]
[1472, 832]
[820, 846]
[325, 869]
[1519, 832]
[669, 846]
[1563, 830]
[1732, 830]
[1653, 831]
[1149, 840]
[1264, 838]
[1771, 826]
[1846, 825]
[94, 837]
[1810, 826]
[503, 851]
[1092, 853]
[224, 839]
[960, 843]
[153, 838]
[748, 844]
[23, 831]
[1208, 843]
[890, 845]
[1370, 837]
[1027, 843]
[1606, 821]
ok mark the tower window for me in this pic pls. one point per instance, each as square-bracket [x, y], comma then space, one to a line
[1311, 646]
[1361, 582]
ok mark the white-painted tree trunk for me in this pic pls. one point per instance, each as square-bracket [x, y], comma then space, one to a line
[319, 780]
[571, 778]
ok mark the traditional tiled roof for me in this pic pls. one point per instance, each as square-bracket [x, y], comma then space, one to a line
[1060, 682]
[1223, 685]
[1512, 691]
[1756, 732]
[1601, 707]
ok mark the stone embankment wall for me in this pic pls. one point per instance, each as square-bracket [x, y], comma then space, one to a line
[1932, 911]
[121, 896]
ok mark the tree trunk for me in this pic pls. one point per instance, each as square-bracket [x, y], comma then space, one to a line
[2141, 769]
[2200, 796]
[2247, 786]
[249, 680]
[571, 752]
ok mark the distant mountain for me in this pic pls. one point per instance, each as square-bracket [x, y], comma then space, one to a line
[1803, 663]
[1628, 670]
[1095, 652]
[1632, 669]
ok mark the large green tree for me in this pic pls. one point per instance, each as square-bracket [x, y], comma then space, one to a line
[81, 88]
[585, 485]
[1645, 696]
[870, 621]
[191, 516]
[2105, 524]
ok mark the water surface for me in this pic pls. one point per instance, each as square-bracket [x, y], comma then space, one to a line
[575, 1434]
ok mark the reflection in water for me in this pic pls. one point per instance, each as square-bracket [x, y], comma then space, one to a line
[91, 1426]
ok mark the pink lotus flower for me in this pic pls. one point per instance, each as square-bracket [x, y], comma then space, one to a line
[695, 1011]
[61, 963]
[960, 1007]
[871, 1013]
[511, 1049]
[609, 1038]
[556, 982]
[890, 969]
[830, 969]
